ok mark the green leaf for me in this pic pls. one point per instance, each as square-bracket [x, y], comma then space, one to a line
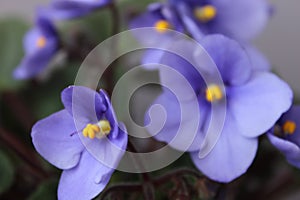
[46, 191]
[11, 51]
[135, 5]
[93, 28]
[44, 99]
[6, 173]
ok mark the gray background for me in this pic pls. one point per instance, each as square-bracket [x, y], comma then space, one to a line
[280, 41]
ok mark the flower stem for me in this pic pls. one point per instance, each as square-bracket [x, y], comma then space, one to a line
[115, 15]
[148, 189]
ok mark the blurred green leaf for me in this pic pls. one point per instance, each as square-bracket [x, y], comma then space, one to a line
[46, 191]
[135, 5]
[93, 28]
[6, 173]
[45, 98]
[11, 51]
[99, 25]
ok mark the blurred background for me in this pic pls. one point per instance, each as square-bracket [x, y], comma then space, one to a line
[280, 40]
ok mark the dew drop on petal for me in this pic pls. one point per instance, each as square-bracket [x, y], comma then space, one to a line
[98, 179]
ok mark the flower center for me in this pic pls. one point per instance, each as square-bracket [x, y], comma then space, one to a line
[213, 93]
[205, 13]
[162, 26]
[99, 130]
[289, 127]
[41, 42]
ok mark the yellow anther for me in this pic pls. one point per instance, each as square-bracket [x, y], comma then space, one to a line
[289, 127]
[99, 130]
[205, 13]
[162, 26]
[213, 93]
[85, 132]
[105, 127]
[95, 128]
[91, 133]
[41, 42]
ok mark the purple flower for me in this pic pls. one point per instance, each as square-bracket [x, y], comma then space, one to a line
[241, 20]
[285, 136]
[40, 44]
[255, 99]
[84, 140]
[257, 59]
[163, 17]
[68, 9]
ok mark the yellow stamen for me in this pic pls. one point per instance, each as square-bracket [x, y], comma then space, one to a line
[99, 130]
[213, 93]
[85, 132]
[205, 13]
[41, 42]
[162, 26]
[95, 128]
[289, 127]
[91, 133]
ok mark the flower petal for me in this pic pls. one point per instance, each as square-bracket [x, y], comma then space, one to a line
[63, 13]
[152, 58]
[61, 9]
[84, 104]
[110, 114]
[156, 12]
[36, 60]
[258, 60]
[232, 61]
[182, 62]
[242, 20]
[231, 156]
[108, 150]
[257, 105]
[179, 126]
[52, 139]
[287, 148]
[86, 180]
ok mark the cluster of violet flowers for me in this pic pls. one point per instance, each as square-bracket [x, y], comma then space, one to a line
[258, 102]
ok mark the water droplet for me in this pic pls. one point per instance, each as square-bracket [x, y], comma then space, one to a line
[98, 179]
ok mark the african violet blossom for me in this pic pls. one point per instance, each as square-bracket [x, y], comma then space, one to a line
[162, 17]
[40, 44]
[285, 136]
[84, 140]
[68, 9]
[241, 20]
[254, 102]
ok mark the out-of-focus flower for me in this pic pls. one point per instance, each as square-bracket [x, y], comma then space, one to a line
[68, 9]
[285, 135]
[40, 45]
[84, 140]
[161, 18]
[255, 100]
[257, 58]
[241, 20]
